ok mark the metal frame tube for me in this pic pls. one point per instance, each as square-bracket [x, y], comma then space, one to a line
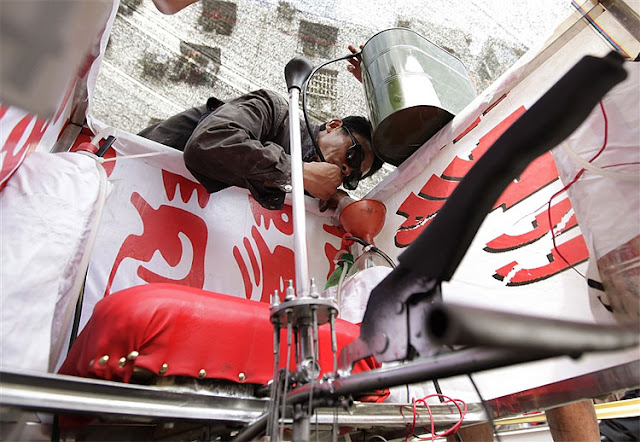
[452, 324]
[299, 220]
[74, 395]
[438, 367]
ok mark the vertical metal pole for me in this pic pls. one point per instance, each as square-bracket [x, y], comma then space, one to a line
[272, 424]
[286, 371]
[334, 340]
[296, 73]
[301, 428]
[299, 221]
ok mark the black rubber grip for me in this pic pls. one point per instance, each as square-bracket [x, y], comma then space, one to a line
[296, 72]
[437, 252]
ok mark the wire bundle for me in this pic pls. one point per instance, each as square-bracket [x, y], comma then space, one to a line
[458, 403]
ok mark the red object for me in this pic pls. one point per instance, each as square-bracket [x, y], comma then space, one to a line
[189, 330]
[364, 219]
[445, 400]
[346, 243]
[86, 147]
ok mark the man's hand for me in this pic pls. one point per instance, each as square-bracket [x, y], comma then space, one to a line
[170, 7]
[338, 202]
[321, 179]
[354, 66]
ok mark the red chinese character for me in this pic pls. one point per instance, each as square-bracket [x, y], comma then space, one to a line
[172, 181]
[574, 251]
[329, 250]
[271, 270]
[162, 229]
[267, 269]
[14, 151]
[421, 209]
[282, 219]
[419, 213]
[540, 173]
[541, 227]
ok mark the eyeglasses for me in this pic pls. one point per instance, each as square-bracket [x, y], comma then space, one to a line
[355, 155]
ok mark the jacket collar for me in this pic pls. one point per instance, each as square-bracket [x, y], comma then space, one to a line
[308, 150]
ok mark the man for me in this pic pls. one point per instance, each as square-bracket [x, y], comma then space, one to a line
[245, 143]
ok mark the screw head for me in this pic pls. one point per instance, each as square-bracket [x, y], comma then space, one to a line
[379, 343]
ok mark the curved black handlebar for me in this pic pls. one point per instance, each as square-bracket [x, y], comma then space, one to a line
[296, 72]
[437, 252]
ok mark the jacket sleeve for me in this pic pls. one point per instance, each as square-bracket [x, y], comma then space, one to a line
[234, 147]
[175, 131]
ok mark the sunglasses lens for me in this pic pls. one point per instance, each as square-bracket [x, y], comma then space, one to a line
[354, 156]
[351, 182]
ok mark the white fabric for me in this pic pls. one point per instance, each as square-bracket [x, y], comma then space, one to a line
[596, 196]
[356, 291]
[47, 212]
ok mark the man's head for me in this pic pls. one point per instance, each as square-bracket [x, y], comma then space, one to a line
[347, 144]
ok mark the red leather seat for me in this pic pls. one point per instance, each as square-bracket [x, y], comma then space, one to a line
[172, 330]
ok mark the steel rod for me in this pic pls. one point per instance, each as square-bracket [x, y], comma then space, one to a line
[451, 324]
[439, 367]
[299, 220]
[55, 393]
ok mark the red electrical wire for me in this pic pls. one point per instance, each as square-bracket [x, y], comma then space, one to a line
[412, 427]
[576, 178]
[578, 175]
[621, 164]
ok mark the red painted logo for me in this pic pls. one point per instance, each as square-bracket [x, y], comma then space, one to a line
[165, 230]
[172, 182]
[265, 268]
[16, 147]
[421, 208]
[329, 250]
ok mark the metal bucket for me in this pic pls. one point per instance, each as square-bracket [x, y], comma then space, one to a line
[413, 89]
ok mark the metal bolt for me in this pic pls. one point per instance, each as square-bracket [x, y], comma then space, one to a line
[290, 292]
[242, 377]
[122, 361]
[202, 373]
[287, 188]
[103, 360]
[164, 368]
[275, 298]
[314, 289]
[91, 362]
[133, 355]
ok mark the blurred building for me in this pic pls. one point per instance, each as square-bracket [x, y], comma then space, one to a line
[157, 65]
